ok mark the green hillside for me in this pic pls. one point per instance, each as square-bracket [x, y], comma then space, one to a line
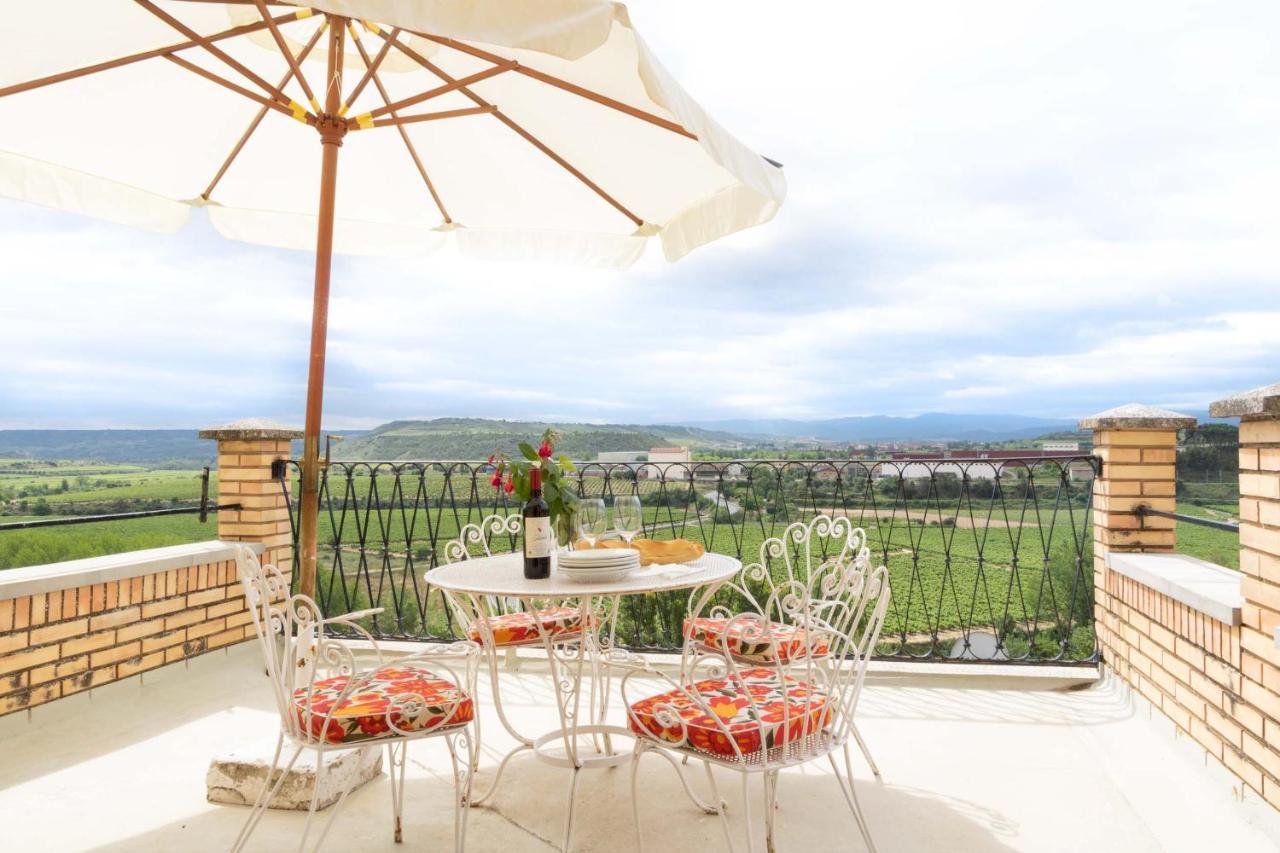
[169, 448]
[476, 438]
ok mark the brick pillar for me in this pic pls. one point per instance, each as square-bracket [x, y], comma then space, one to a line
[1138, 447]
[1259, 413]
[246, 451]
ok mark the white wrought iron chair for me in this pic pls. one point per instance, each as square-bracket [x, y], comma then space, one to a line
[327, 703]
[506, 623]
[760, 717]
[809, 547]
[506, 620]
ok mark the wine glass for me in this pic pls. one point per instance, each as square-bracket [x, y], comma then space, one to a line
[591, 519]
[627, 519]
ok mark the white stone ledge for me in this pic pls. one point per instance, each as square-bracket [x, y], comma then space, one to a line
[1203, 586]
[31, 580]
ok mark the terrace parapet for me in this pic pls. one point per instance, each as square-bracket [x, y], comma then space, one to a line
[1138, 448]
[247, 451]
[1195, 640]
[67, 628]
[1259, 413]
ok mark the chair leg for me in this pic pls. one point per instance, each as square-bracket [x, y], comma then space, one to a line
[851, 796]
[635, 794]
[463, 770]
[723, 809]
[315, 799]
[680, 767]
[269, 790]
[746, 812]
[497, 777]
[397, 784]
[866, 753]
[473, 763]
[496, 688]
[770, 809]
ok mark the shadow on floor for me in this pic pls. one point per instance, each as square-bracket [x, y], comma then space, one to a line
[1103, 702]
[171, 697]
[527, 814]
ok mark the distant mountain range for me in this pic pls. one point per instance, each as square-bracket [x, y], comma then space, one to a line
[476, 438]
[145, 446]
[928, 427]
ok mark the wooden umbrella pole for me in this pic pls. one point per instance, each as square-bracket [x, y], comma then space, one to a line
[332, 130]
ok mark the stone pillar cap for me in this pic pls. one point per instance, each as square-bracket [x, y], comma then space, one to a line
[250, 429]
[1259, 401]
[1137, 416]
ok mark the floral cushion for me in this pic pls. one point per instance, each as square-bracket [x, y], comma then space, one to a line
[512, 628]
[362, 715]
[785, 711]
[783, 643]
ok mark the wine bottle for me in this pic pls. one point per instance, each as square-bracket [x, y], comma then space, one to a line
[538, 538]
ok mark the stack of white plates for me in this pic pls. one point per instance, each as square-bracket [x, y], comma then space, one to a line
[598, 564]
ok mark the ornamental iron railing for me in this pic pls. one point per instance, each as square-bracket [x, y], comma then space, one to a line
[990, 559]
[206, 508]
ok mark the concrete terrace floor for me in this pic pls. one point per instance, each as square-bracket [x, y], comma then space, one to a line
[968, 764]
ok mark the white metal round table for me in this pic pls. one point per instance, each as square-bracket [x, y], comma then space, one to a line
[476, 588]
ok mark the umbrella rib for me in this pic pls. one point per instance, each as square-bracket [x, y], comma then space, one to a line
[63, 76]
[303, 116]
[509, 122]
[257, 120]
[436, 92]
[370, 67]
[221, 54]
[396, 121]
[371, 74]
[559, 83]
[294, 64]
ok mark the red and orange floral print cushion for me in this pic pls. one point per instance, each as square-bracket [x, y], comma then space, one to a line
[781, 644]
[512, 628]
[784, 711]
[363, 714]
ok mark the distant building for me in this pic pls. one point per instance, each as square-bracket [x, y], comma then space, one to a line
[713, 471]
[971, 462]
[670, 463]
[620, 456]
[1060, 446]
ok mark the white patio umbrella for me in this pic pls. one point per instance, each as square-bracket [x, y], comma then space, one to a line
[515, 129]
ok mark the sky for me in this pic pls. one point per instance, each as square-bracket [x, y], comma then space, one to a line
[1020, 207]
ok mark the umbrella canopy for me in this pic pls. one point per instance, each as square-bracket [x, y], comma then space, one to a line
[568, 139]
[514, 129]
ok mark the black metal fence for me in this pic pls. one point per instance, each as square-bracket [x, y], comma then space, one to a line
[204, 509]
[990, 559]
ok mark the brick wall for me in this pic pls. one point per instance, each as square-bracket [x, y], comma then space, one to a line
[61, 641]
[1219, 683]
[246, 451]
[58, 637]
[1187, 665]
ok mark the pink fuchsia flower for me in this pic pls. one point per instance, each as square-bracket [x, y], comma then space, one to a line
[491, 458]
[496, 482]
[509, 486]
[545, 449]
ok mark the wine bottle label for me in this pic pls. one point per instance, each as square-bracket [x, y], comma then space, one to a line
[538, 540]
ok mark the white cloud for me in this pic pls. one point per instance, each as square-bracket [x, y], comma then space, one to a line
[1043, 208]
